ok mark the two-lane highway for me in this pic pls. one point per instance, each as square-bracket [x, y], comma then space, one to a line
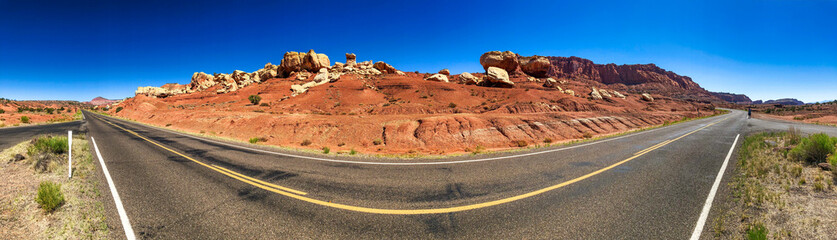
[9, 136]
[650, 184]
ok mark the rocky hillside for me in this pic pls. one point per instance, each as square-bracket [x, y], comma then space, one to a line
[307, 101]
[733, 98]
[100, 101]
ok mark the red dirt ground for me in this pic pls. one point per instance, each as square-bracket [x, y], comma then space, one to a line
[12, 118]
[397, 114]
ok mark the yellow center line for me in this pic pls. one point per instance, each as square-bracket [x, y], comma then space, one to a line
[225, 171]
[422, 211]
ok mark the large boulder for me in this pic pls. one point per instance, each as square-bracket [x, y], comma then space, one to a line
[467, 78]
[536, 66]
[291, 62]
[550, 83]
[505, 60]
[437, 78]
[605, 93]
[647, 97]
[227, 83]
[241, 78]
[617, 94]
[351, 59]
[201, 81]
[445, 71]
[384, 67]
[595, 94]
[498, 77]
[269, 71]
[313, 61]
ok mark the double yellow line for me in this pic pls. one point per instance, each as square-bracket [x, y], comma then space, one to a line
[299, 195]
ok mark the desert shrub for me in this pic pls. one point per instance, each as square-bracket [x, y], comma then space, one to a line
[2, 111]
[521, 143]
[48, 144]
[547, 140]
[306, 142]
[118, 109]
[326, 150]
[452, 105]
[757, 231]
[587, 135]
[478, 149]
[377, 141]
[352, 152]
[24, 119]
[341, 144]
[49, 196]
[257, 139]
[813, 149]
[255, 99]
[50, 110]
[264, 105]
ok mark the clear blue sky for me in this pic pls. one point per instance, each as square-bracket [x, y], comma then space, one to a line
[78, 50]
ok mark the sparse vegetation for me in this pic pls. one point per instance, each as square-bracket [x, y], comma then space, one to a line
[587, 135]
[326, 150]
[452, 105]
[813, 149]
[773, 190]
[352, 152]
[264, 104]
[547, 140]
[255, 99]
[119, 109]
[257, 140]
[24, 119]
[521, 143]
[377, 141]
[49, 196]
[48, 144]
[305, 142]
[757, 231]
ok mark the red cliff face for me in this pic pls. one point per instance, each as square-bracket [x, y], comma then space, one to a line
[635, 77]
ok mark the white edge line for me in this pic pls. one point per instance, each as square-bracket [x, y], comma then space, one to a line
[708, 205]
[410, 163]
[126, 224]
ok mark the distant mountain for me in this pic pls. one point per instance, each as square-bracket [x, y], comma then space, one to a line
[99, 101]
[785, 101]
[732, 97]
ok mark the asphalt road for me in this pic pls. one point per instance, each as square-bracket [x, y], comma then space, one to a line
[10, 136]
[645, 185]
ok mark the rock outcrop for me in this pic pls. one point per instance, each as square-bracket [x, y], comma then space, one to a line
[535, 66]
[445, 71]
[468, 79]
[595, 94]
[437, 78]
[497, 77]
[351, 59]
[504, 60]
[166, 90]
[384, 67]
[297, 61]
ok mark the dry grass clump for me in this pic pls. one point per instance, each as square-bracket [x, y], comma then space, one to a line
[778, 194]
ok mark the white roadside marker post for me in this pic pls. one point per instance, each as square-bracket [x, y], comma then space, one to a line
[70, 154]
